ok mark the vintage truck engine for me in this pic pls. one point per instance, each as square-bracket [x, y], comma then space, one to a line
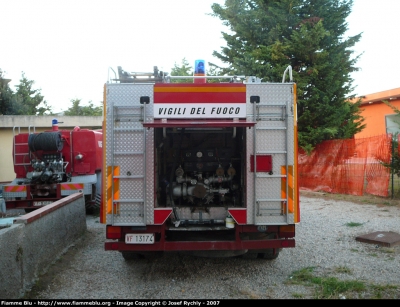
[47, 172]
[47, 163]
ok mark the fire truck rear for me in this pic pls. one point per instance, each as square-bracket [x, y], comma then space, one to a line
[52, 164]
[207, 168]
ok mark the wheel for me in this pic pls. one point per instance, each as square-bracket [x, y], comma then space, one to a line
[250, 255]
[131, 255]
[148, 255]
[92, 205]
[270, 253]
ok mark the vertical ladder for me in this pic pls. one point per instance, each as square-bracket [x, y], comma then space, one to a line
[128, 142]
[19, 146]
[271, 138]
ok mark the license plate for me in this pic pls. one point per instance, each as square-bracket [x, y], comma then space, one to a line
[42, 203]
[139, 238]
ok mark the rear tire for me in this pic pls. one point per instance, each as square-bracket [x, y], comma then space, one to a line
[270, 254]
[148, 255]
[92, 205]
[250, 255]
[131, 256]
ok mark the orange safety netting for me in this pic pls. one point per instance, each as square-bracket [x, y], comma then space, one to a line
[352, 166]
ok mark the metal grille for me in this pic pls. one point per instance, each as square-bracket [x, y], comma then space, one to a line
[273, 135]
[130, 148]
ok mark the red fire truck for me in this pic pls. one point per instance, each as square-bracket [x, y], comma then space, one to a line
[53, 164]
[207, 168]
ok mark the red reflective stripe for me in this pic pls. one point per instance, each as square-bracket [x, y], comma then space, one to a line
[161, 214]
[200, 93]
[239, 215]
[72, 186]
[204, 98]
[15, 188]
[208, 87]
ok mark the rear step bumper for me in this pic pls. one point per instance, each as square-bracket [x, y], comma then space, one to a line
[202, 245]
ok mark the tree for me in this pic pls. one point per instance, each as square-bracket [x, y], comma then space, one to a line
[28, 101]
[78, 110]
[184, 70]
[269, 35]
[5, 95]
[394, 164]
[25, 101]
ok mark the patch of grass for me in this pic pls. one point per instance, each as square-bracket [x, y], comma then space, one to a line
[387, 250]
[326, 287]
[329, 287]
[302, 276]
[343, 269]
[297, 295]
[384, 291]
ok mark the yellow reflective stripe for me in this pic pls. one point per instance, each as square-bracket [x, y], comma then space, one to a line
[200, 89]
[291, 190]
[110, 174]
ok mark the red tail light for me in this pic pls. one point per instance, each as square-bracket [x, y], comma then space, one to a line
[113, 232]
[287, 231]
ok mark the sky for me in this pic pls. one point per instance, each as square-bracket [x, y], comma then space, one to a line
[71, 48]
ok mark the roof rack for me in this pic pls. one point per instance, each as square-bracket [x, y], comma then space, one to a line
[138, 77]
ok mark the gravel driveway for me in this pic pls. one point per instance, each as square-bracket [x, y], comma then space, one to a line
[325, 241]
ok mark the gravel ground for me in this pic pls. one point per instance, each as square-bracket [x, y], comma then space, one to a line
[324, 241]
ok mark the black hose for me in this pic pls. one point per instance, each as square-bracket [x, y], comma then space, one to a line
[47, 141]
[172, 174]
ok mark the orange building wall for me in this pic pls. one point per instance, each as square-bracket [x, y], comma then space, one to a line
[374, 111]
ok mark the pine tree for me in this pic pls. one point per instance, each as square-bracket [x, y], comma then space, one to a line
[5, 95]
[29, 101]
[184, 70]
[268, 35]
[78, 110]
[25, 101]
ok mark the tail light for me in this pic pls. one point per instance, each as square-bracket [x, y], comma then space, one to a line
[113, 232]
[287, 231]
